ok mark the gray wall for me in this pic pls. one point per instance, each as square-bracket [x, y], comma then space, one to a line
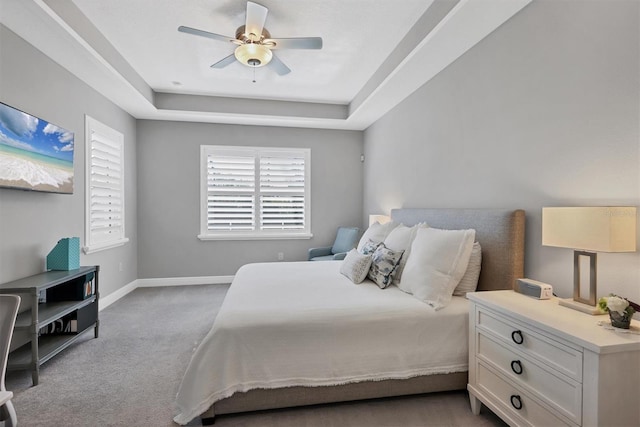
[31, 223]
[169, 198]
[543, 112]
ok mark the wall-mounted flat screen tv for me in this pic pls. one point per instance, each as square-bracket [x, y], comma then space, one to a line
[34, 154]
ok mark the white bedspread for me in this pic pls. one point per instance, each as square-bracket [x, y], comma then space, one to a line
[305, 324]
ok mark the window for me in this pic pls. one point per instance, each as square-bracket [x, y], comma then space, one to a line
[104, 221]
[254, 193]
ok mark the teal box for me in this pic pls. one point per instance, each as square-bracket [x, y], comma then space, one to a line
[65, 255]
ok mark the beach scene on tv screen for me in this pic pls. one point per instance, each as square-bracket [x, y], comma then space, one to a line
[34, 154]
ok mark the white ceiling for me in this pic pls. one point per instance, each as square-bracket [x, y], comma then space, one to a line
[375, 53]
[144, 32]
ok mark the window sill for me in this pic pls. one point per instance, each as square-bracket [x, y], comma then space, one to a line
[269, 236]
[104, 246]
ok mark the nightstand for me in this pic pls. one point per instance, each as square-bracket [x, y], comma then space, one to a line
[534, 362]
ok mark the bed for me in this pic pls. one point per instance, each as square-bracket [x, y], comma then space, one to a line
[292, 334]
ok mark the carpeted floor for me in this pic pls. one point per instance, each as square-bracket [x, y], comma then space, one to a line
[130, 375]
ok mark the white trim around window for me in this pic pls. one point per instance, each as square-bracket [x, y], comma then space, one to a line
[105, 208]
[254, 193]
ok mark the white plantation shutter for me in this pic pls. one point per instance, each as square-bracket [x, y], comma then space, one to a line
[254, 193]
[282, 192]
[230, 188]
[282, 213]
[105, 187]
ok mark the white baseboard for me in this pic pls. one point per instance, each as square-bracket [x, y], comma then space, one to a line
[168, 281]
[184, 281]
[115, 296]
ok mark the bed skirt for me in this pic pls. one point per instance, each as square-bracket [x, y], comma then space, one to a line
[261, 399]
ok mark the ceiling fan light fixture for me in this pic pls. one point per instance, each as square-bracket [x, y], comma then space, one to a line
[254, 42]
[253, 54]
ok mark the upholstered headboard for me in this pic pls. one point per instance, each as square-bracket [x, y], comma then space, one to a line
[499, 231]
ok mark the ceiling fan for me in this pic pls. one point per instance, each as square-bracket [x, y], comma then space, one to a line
[254, 42]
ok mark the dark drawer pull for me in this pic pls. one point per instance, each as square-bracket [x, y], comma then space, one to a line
[517, 337]
[516, 402]
[516, 367]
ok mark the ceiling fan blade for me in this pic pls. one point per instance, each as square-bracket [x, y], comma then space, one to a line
[224, 61]
[278, 66]
[256, 16]
[295, 43]
[206, 34]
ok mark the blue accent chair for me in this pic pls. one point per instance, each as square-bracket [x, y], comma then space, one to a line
[346, 239]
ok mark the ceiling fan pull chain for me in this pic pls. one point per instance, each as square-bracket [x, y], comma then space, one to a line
[254, 74]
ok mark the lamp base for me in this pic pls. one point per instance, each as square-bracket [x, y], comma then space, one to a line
[585, 308]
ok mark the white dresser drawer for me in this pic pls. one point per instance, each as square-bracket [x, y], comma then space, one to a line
[518, 404]
[574, 371]
[558, 391]
[563, 358]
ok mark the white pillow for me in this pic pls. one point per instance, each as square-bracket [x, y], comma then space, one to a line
[376, 233]
[356, 266]
[438, 261]
[400, 239]
[469, 281]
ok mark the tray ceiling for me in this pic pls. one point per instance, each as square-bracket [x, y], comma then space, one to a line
[375, 53]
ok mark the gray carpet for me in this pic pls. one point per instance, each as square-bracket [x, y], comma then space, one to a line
[130, 375]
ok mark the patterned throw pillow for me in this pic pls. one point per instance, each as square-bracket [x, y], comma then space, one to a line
[400, 239]
[369, 247]
[383, 265]
[356, 266]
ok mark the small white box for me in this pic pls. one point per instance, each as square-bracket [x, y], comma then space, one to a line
[533, 288]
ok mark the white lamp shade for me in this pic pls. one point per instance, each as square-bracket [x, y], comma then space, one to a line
[382, 219]
[253, 55]
[596, 229]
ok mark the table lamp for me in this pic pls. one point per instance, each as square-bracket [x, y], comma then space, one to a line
[588, 230]
[382, 219]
